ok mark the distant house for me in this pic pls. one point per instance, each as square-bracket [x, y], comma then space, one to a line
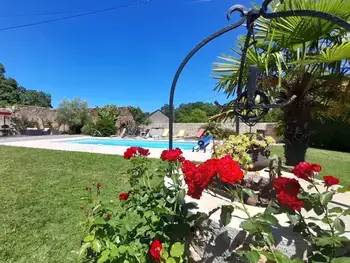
[158, 117]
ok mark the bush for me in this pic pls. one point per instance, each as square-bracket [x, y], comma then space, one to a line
[105, 124]
[74, 113]
[331, 135]
[154, 223]
[88, 129]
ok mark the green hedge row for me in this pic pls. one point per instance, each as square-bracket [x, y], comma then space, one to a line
[331, 135]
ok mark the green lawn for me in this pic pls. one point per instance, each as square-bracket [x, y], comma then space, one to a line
[333, 163]
[40, 191]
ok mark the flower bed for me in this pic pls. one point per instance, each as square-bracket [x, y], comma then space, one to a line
[156, 224]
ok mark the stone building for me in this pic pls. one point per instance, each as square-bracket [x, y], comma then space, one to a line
[158, 117]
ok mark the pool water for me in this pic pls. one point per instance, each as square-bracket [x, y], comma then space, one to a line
[137, 143]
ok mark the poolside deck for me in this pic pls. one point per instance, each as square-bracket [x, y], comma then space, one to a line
[55, 143]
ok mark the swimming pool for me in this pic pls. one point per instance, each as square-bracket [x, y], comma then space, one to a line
[137, 143]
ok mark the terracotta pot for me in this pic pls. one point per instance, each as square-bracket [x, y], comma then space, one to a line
[260, 158]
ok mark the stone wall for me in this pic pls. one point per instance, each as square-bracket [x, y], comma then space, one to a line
[192, 128]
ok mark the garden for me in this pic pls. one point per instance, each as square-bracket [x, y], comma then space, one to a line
[68, 207]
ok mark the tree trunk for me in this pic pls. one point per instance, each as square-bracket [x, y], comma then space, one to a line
[296, 118]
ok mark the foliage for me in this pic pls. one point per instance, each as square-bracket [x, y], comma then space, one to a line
[331, 134]
[140, 117]
[154, 222]
[105, 123]
[274, 115]
[192, 112]
[240, 147]
[12, 93]
[306, 57]
[215, 129]
[74, 113]
[23, 123]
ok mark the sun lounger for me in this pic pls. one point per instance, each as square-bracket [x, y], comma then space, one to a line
[181, 134]
[197, 136]
[202, 144]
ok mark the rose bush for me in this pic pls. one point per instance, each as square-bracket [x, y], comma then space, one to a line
[152, 222]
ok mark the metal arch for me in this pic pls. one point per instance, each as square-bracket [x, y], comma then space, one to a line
[248, 15]
[183, 64]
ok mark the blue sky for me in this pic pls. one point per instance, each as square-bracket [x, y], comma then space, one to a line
[123, 57]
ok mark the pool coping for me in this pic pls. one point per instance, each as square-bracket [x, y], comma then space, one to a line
[51, 144]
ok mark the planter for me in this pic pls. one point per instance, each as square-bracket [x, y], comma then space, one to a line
[260, 159]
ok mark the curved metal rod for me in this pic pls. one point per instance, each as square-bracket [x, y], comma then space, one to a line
[311, 13]
[183, 64]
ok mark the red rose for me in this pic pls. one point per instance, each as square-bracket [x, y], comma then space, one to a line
[171, 155]
[304, 170]
[330, 180]
[99, 186]
[130, 152]
[198, 177]
[143, 151]
[124, 196]
[316, 167]
[155, 249]
[288, 185]
[109, 215]
[289, 201]
[229, 170]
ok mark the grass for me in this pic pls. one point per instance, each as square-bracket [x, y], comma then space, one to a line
[333, 163]
[40, 191]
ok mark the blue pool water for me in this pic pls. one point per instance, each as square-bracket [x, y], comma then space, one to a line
[137, 143]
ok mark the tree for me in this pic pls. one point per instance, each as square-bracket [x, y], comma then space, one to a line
[11, 93]
[106, 119]
[306, 57]
[74, 113]
[184, 113]
[140, 117]
[35, 98]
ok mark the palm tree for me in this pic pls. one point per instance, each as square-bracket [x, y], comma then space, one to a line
[302, 56]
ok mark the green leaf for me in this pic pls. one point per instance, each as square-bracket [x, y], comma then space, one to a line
[100, 221]
[83, 249]
[96, 245]
[339, 225]
[104, 256]
[336, 210]
[270, 219]
[89, 238]
[252, 256]
[324, 241]
[294, 219]
[326, 219]
[268, 237]
[177, 250]
[326, 197]
[318, 210]
[340, 260]
[226, 214]
[170, 260]
[164, 254]
[280, 257]
[249, 192]
[347, 212]
[249, 226]
[318, 258]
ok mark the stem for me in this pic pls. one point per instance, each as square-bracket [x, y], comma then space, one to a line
[307, 228]
[325, 207]
[240, 197]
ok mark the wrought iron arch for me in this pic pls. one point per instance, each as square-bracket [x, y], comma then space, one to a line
[248, 15]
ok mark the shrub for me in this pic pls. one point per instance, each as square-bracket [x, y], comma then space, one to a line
[105, 123]
[73, 113]
[238, 147]
[154, 222]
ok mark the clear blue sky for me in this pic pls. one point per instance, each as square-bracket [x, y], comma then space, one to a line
[122, 57]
